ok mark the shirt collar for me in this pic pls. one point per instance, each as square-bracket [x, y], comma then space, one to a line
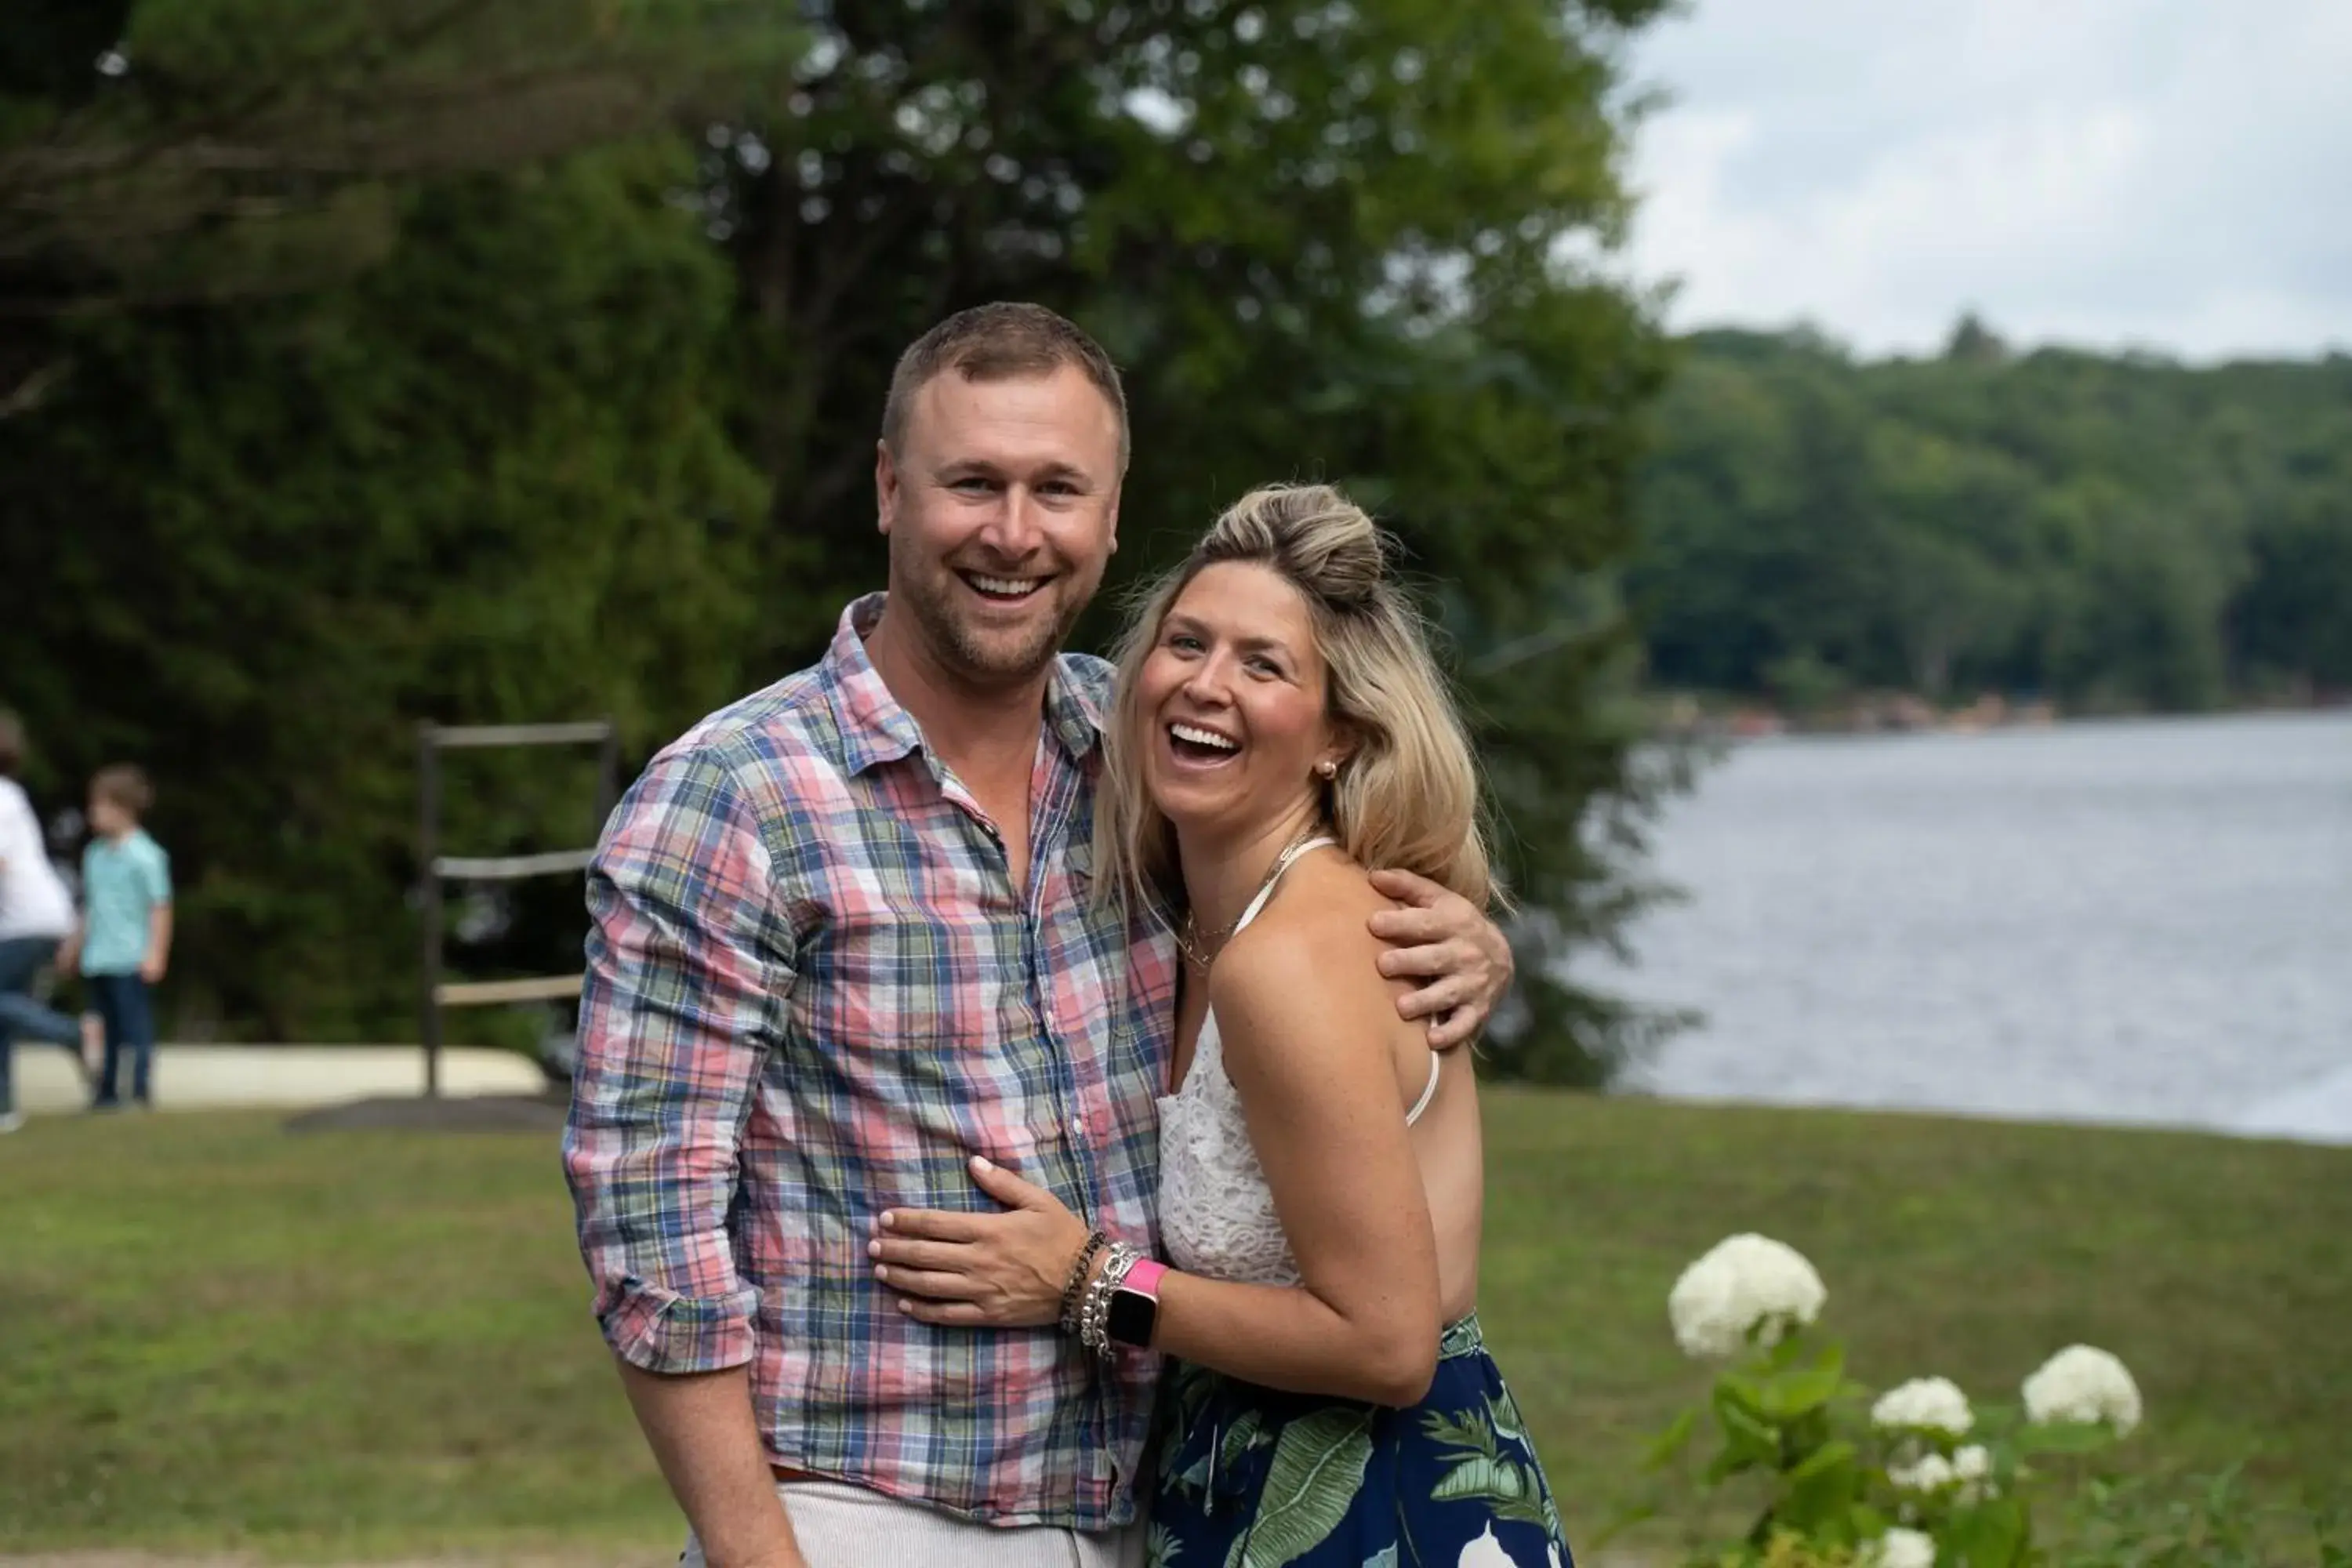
[875, 730]
[1072, 711]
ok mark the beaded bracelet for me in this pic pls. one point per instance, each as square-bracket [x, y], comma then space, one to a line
[1095, 1242]
[1094, 1318]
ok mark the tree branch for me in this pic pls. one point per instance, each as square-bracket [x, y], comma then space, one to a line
[34, 389]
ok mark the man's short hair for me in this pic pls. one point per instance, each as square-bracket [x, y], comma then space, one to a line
[997, 343]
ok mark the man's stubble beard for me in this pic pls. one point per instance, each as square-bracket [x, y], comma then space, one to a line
[968, 655]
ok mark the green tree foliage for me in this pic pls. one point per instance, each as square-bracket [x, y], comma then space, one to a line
[2113, 532]
[196, 149]
[477, 484]
[178, 151]
[468, 471]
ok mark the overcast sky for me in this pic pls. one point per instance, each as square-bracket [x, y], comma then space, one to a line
[2174, 174]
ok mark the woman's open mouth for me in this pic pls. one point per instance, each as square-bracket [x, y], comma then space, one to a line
[1197, 745]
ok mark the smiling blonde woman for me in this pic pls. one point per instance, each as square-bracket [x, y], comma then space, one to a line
[1282, 731]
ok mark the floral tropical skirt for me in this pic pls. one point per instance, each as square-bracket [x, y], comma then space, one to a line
[1250, 1477]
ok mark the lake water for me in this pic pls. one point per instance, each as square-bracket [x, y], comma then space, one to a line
[2118, 922]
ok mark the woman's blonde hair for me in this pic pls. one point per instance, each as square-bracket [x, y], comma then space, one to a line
[1407, 794]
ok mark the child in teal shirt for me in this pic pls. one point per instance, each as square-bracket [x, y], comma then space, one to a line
[125, 939]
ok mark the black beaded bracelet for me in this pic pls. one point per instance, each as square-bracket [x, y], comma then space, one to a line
[1077, 1283]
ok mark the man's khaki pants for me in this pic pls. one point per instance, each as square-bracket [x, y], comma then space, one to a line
[849, 1527]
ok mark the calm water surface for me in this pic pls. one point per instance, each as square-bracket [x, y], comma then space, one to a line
[2133, 922]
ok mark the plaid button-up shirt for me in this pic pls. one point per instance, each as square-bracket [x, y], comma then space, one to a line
[813, 993]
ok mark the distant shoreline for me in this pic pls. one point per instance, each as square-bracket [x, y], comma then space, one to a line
[1694, 716]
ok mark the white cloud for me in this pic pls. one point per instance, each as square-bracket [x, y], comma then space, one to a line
[2098, 171]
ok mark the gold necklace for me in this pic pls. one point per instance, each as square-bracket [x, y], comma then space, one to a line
[1196, 947]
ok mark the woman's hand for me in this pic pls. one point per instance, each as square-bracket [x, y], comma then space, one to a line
[1441, 938]
[970, 1271]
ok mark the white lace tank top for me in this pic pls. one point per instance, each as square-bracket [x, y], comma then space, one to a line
[1216, 1213]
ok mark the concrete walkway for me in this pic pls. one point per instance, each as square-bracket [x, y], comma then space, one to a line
[202, 1078]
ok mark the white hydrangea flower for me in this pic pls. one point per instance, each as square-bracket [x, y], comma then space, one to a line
[1924, 1404]
[1973, 1466]
[1744, 1281]
[1931, 1473]
[1900, 1548]
[2082, 1383]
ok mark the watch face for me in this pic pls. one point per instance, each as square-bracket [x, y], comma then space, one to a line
[1132, 1316]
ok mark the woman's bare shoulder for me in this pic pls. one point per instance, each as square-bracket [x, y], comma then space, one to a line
[1311, 949]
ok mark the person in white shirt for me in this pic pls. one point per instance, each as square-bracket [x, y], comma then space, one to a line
[35, 915]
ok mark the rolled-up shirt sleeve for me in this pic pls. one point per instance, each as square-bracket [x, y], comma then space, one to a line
[689, 962]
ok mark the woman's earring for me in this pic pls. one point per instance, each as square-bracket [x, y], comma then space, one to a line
[1328, 768]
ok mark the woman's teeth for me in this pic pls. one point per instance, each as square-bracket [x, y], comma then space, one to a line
[1193, 735]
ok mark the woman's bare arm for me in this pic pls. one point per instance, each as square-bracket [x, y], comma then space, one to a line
[1309, 1047]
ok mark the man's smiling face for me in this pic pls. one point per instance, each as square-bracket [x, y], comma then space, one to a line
[1001, 508]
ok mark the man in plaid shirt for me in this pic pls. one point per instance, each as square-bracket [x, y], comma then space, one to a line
[843, 942]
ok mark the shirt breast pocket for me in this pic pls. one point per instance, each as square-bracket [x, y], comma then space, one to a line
[923, 1017]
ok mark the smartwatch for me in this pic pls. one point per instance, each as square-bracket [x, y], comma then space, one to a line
[1135, 1304]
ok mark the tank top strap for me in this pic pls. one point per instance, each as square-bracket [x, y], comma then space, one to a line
[1428, 1093]
[1288, 855]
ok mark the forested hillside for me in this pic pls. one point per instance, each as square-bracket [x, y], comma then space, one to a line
[2105, 533]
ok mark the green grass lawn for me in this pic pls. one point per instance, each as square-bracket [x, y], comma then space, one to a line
[213, 1333]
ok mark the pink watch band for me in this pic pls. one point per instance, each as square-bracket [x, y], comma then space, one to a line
[1143, 1278]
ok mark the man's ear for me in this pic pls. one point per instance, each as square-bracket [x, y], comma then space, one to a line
[1116, 490]
[886, 487]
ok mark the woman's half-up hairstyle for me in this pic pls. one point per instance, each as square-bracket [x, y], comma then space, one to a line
[1406, 796]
